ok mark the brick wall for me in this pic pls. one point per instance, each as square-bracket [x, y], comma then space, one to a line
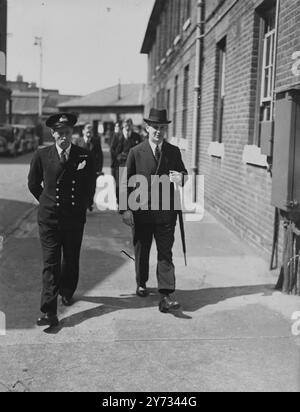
[239, 193]
[289, 42]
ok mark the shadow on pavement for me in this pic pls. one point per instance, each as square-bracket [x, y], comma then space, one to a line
[23, 159]
[21, 282]
[10, 212]
[191, 301]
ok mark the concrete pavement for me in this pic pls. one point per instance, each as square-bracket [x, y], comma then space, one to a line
[233, 333]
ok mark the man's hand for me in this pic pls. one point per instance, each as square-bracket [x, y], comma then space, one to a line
[176, 177]
[128, 218]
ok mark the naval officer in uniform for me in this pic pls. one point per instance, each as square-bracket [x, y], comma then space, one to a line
[62, 178]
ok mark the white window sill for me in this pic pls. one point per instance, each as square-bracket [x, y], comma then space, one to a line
[169, 52]
[252, 155]
[187, 24]
[177, 40]
[216, 149]
[2, 64]
[179, 142]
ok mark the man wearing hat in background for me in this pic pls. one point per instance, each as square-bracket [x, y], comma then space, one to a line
[62, 179]
[155, 157]
[120, 149]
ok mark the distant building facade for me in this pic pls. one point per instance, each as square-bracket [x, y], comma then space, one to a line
[25, 102]
[220, 85]
[23, 107]
[4, 91]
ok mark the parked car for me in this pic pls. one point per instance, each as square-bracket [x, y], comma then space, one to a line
[17, 139]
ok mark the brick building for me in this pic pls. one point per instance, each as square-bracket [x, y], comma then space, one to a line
[218, 65]
[4, 91]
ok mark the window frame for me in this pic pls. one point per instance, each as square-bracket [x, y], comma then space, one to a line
[221, 88]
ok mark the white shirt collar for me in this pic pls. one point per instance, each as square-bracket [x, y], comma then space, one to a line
[60, 150]
[126, 134]
[153, 146]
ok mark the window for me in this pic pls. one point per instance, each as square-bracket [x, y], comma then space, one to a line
[168, 104]
[175, 107]
[267, 84]
[220, 92]
[187, 10]
[185, 100]
[266, 43]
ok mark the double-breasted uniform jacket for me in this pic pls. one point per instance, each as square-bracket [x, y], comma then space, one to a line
[95, 148]
[141, 161]
[63, 191]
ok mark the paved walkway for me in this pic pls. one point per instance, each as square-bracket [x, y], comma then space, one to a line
[233, 333]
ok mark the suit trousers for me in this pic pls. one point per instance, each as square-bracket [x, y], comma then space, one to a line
[164, 235]
[61, 246]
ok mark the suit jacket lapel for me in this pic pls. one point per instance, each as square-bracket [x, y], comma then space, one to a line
[149, 158]
[163, 158]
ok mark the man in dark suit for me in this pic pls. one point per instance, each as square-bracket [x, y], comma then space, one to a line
[154, 159]
[62, 178]
[93, 144]
[120, 149]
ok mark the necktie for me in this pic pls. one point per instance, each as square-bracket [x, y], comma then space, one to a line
[63, 157]
[157, 154]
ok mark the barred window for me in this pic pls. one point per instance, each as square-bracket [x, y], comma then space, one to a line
[221, 90]
[267, 84]
[175, 106]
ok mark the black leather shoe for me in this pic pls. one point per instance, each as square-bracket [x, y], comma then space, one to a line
[67, 301]
[168, 304]
[48, 320]
[142, 292]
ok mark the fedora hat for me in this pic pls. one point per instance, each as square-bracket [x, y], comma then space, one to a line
[158, 117]
[59, 120]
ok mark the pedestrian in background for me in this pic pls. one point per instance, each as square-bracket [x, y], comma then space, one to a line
[62, 178]
[93, 144]
[113, 146]
[121, 148]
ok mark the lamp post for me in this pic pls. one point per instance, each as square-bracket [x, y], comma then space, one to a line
[38, 41]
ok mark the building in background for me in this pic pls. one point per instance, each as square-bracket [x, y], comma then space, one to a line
[4, 90]
[219, 67]
[107, 106]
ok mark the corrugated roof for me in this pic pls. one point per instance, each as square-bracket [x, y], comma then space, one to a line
[131, 95]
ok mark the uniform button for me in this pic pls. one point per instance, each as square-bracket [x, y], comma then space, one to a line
[73, 190]
[73, 197]
[73, 182]
[57, 204]
[57, 189]
[57, 197]
[73, 204]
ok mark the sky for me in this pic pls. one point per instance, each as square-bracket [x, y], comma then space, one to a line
[87, 44]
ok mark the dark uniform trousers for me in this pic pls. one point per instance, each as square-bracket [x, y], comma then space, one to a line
[61, 246]
[66, 193]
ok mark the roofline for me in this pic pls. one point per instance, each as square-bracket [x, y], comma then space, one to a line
[107, 108]
[151, 29]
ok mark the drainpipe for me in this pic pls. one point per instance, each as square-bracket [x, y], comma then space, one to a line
[275, 54]
[197, 95]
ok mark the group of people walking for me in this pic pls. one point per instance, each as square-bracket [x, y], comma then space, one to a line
[63, 177]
